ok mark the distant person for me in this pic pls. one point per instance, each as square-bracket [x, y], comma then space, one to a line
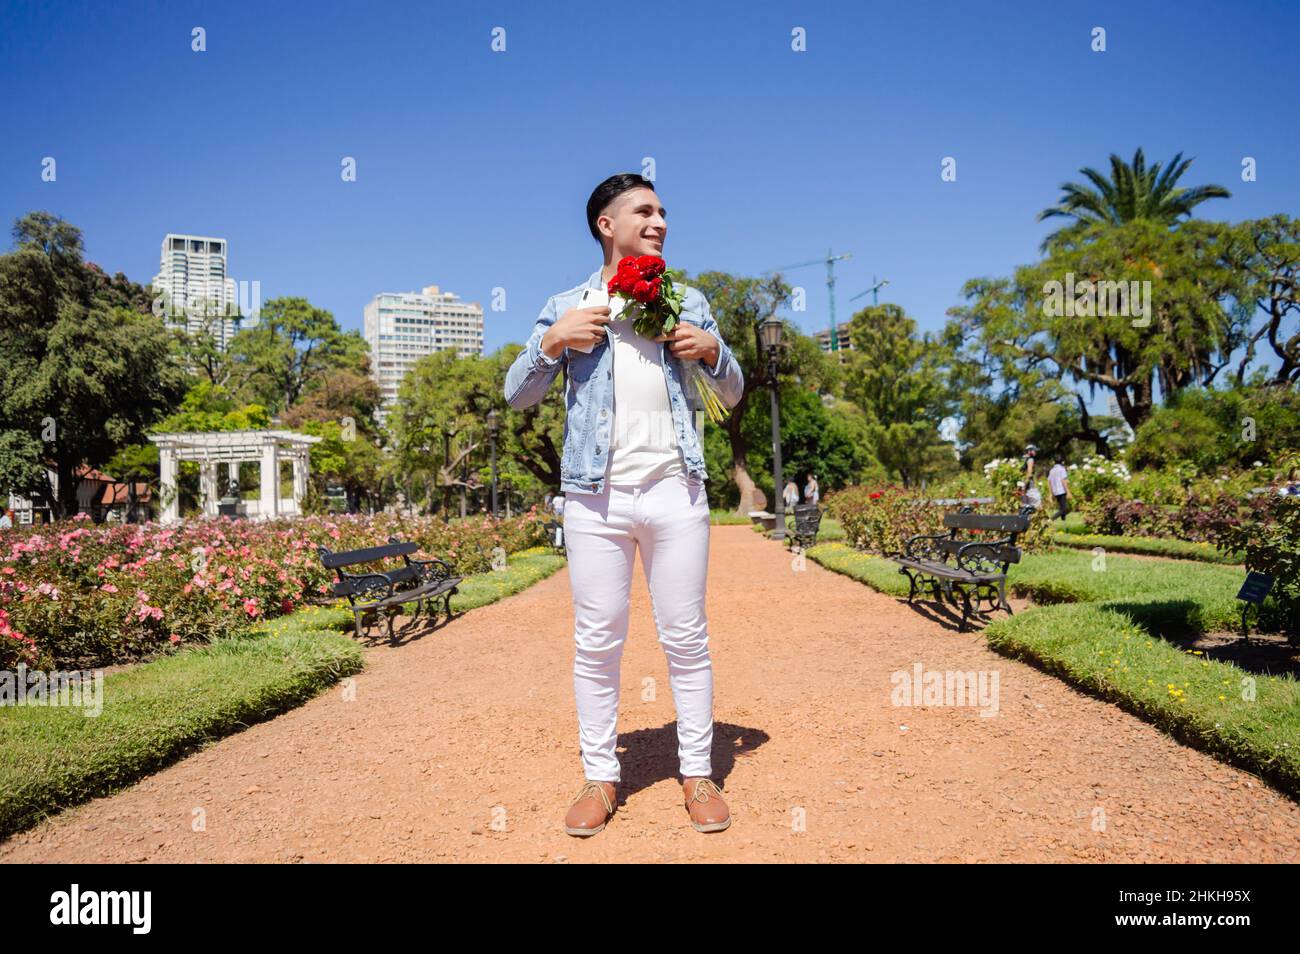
[1058, 480]
[1292, 486]
[1029, 495]
[557, 505]
[1031, 455]
[7, 520]
[790, 495]
[811, 492]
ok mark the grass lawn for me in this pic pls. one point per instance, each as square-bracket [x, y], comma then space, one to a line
[52, 757]
[1105, 626]
[725, 517]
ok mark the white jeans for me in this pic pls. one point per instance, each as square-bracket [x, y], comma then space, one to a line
[668, 519]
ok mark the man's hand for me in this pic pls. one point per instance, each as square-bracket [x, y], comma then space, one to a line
[688, 342]
[582, 328]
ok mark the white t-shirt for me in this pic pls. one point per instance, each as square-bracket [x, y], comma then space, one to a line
[1056, 479]
[643, 438]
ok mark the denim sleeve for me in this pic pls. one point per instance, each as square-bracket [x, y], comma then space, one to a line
[726, 372]
[532, 371]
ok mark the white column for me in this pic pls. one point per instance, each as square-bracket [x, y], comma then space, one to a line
[171, 512]
[208, 487]
[270, 502]
[299, 480]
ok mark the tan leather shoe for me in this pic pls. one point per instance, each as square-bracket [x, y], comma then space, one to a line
[589, 812]
[704, 803]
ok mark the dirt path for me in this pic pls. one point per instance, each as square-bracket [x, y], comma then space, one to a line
[462, 745]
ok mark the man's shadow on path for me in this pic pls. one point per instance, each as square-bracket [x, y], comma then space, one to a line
[649, 756]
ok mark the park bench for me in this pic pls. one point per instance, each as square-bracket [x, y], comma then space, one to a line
[807, 521]
[978, 570]
[415, 581]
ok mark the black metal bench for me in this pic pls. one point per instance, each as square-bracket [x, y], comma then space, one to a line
[979, 573]
[807, 521]
[416, 581]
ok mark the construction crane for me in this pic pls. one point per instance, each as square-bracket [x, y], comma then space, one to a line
[829, 261]
[876, 286]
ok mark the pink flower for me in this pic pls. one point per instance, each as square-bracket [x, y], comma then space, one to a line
[173, 638]
[109, 588]
[251, 608]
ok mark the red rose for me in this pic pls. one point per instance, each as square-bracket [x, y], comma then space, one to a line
[641, 291]
[650, 265]
[627, 279]
[655, 284]
[627, 261]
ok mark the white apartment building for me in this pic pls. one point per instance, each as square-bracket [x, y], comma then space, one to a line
[194, 277]
[403, 327]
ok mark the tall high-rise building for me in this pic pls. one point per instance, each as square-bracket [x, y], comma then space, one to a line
[194, 277]
[402, 327]
[823, 338]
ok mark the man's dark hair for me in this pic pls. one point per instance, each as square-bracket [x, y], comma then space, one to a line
[607, 192]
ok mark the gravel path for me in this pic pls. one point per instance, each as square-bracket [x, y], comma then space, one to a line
[462, 745]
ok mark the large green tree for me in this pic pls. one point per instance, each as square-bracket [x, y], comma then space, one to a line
[1133, 192]
[439, 424]
[740, 305]
[293, 347]
[1271, 258]
[81, 372]
[897, 378]
[1186, 282]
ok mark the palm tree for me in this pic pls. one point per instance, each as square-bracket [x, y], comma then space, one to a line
[1132, 192]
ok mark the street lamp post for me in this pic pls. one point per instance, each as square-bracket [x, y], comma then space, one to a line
[447, 435]
[770, 332]
[493, 421]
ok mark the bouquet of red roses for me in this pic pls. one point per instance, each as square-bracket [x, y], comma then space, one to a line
[655, 305]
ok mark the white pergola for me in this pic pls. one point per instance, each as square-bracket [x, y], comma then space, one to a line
[210, 448]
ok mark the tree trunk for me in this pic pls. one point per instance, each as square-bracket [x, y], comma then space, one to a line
[751, 496]
[66, 506]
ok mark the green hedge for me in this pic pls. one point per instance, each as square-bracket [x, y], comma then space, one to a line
[1104, 629]
[1151, 546]
[153, 713]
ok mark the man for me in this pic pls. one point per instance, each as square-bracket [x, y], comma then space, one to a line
[6, 520]
[1058, 481]
[633, 471]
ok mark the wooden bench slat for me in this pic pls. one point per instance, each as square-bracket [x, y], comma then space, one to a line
[410, 596]
[332, 561]
[1000, 522]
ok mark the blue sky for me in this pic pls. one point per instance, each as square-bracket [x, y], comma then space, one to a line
[473, 167]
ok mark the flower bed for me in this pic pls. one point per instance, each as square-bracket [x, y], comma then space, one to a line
[79, 593]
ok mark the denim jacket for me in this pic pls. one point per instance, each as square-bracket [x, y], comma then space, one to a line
[589, 390]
